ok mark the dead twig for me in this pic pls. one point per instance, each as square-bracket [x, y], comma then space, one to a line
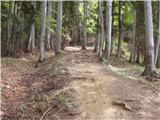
[51, 107]
[122, 105]
[3, 85]
[48, 110]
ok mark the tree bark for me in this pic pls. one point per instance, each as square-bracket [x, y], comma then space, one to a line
[84, 42]
[138, 55]
[33, 37]
[49, 24]
[108, 30]
[43, 30]
[158, 61]
[120, 30]
[58, 28]
[33, 27]
[132, 55]
[101, 29]
[149, 66]
[30, 40]
[96, 47]
[22, 27]
[13, 34]
[31, 43]
[9, 27]
[54, 17]
[113, 6]
[158, 40]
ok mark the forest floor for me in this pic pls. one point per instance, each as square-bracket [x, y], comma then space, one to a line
[75, 85]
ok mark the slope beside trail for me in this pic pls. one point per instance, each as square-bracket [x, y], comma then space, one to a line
[104, 95]
[74, 85]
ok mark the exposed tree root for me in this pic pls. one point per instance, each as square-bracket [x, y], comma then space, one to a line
[152, 77]
[122, 105]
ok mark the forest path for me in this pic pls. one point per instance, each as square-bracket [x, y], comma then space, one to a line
[75, 76]
[104, 95]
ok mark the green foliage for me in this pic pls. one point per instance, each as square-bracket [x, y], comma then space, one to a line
[124, 48]
[92, 17]
[128, 13]
[71, 15]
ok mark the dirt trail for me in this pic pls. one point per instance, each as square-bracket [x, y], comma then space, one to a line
[98, 93]
[103, 95]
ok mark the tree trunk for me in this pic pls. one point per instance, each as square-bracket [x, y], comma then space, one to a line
[79, 33]
[33, 27]
[120, 30]
[54, 17]
[84, 42]
[101, 29]
[96, 47]
[58, 28]
[49, 13]
[158, 40]
[113, 5]
[158, 60]
[22, 27]
[43, 30]
[13, 36]
[30, 40]
[149, 66]
[108, 30]
[9, 27]
[138, 55]
[33, 37]
[31, 43]
[132, 55]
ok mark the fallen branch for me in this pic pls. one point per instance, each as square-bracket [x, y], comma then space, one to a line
[48, 110]
[122, 105]
[3, 85]
[53, 104]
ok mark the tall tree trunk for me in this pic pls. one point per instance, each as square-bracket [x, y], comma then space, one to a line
[22, 27]
[9, 26]
[158, 40]
[108, 30]
[79, 33]
[149, 66]
[43, 30]
[120, 29]
[113, 6]
[158, 60]
[132, 55]
[30, 40]
[138, 55]
[101, 29]
[13, 36]
[96, 42]
[33, 37]
[137, 43]
[31, 43]
[96, 47]
[84, 42]
[54, 17]
[33, 27]
[58, 28]
[49, 13]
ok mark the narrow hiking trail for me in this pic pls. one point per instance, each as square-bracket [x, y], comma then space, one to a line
[97, 92]
[104, 95]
